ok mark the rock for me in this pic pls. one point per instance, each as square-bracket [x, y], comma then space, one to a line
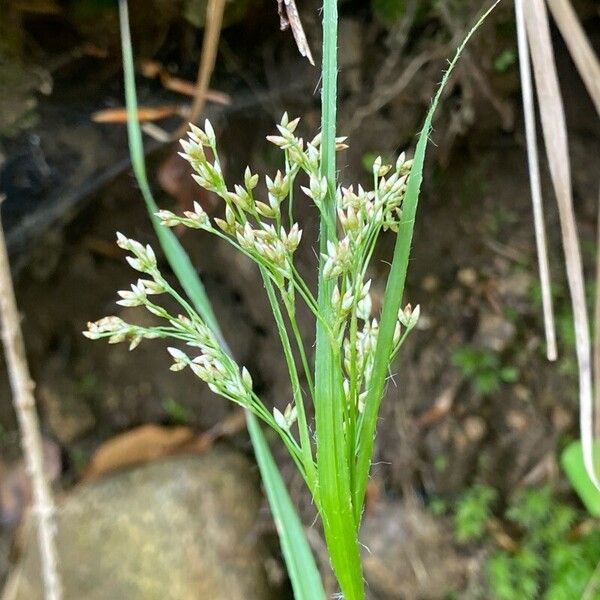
[181, 528]
[515, 290]
[495, 332]
[467, 276]
[410, 554]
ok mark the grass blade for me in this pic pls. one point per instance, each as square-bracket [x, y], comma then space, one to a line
[535, 183]
[332, 466]
[555, 136]
[299, 560]
[395, 290]
[302, 569]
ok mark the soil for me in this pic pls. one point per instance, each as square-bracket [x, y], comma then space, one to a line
[473, 268]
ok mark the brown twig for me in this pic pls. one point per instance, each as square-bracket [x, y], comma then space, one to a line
[31, 439]
[387, 93]
[210, 44]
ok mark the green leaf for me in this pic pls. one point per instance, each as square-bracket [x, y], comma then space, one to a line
[395, 289]
[505, 60]
[571, 460]
[303, 572]
[333, 468]
[509, 374]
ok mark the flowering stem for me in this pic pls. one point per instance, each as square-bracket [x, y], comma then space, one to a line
[332, 464]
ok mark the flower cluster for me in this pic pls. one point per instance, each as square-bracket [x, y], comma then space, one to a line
[117, 330]
[258, 220]
[359, 353]
[253, 225]
[258, 228]
[214, 367]
[212, 364]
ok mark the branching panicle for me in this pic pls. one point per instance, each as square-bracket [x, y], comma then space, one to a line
[258, 221]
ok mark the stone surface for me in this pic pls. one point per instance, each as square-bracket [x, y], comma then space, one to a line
[179, 529]
[410, 554]
[495, 332]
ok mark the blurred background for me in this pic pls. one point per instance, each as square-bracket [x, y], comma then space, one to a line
[475, 418]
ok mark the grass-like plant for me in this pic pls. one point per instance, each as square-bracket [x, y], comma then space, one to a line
[353, 348]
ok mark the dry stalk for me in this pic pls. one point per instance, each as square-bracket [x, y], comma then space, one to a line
[555, 136]
[210, 44]
[31, 439]
[579, 46]
[596, 354]
[535, 183]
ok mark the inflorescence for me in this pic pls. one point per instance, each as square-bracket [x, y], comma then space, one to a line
[262, 227]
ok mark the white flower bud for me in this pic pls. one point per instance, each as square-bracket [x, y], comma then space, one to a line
[279, 418]
[347, 300]
[364, 307]
[210, 133]
[400, 161]
[377, 165]
[246, 378]
[335, 296]
[409, 316]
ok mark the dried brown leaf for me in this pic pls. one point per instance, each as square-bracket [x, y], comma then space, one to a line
[555, 136]
[139, 445]
[289, 18]
[579, 46]
[145, 113]
[188, 88]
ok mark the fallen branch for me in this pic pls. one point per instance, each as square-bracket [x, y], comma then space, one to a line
[31, 439]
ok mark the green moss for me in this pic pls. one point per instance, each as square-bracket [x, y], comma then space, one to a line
[549, 562]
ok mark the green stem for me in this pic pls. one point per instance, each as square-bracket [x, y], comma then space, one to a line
[305, 444]
[333, 468]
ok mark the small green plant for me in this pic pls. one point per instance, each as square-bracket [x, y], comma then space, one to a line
[505, 60]
[176, 412]
[266, 233]
[473, 511]
[551, 560]
[484, 368]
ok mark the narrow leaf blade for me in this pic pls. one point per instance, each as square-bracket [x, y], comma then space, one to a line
[302, 570]
[395, 288]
